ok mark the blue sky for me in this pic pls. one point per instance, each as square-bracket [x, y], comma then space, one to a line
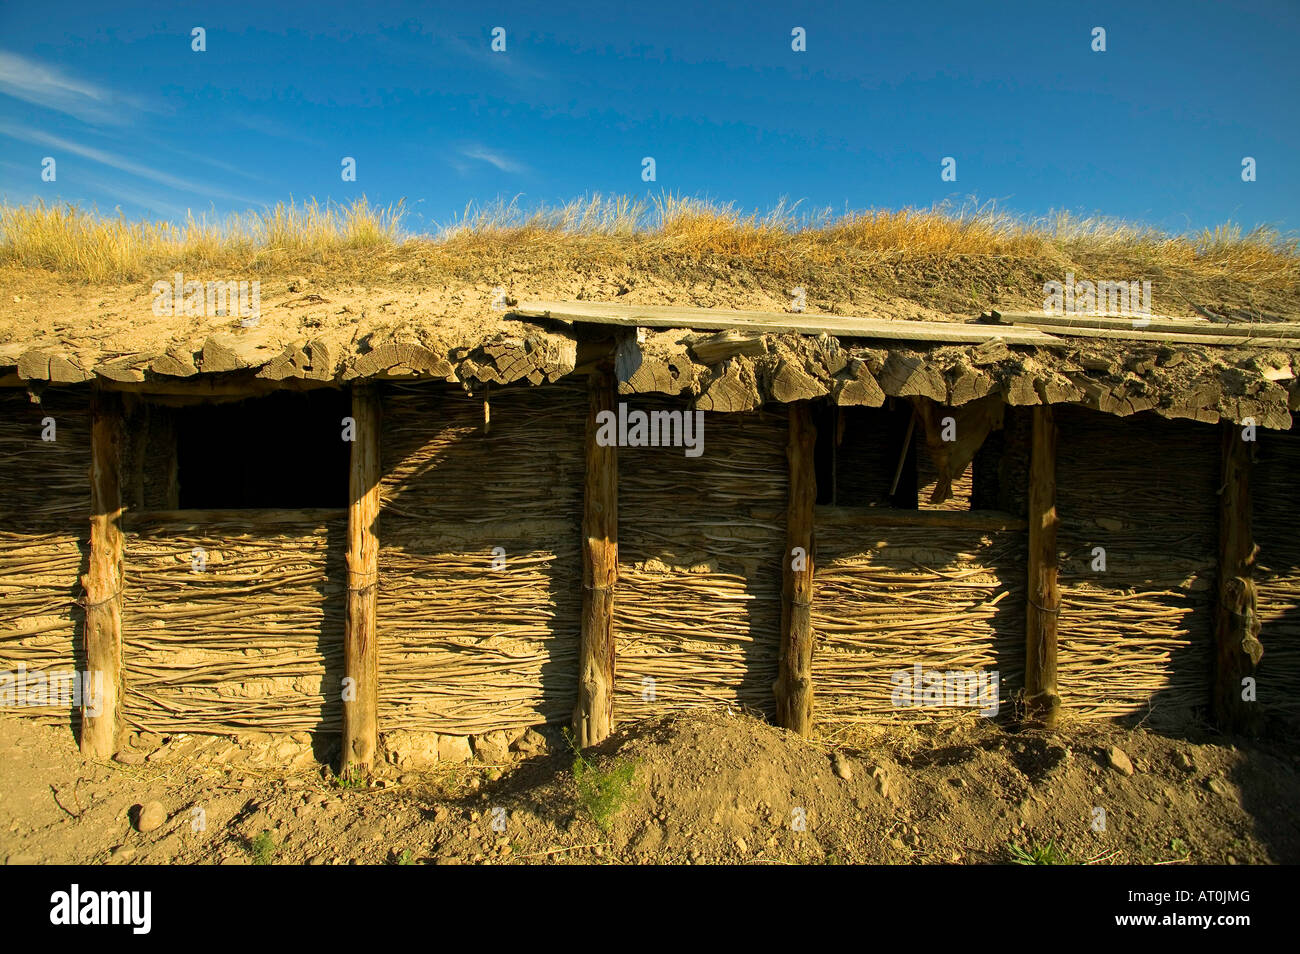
[1154, 129]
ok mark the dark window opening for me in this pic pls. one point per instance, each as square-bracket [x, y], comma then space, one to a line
[866, 457]
[281, 451]
[878, 457]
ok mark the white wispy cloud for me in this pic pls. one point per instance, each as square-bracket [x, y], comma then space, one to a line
[51, 88]
[499, 161]
[143, 198]
[120, 163]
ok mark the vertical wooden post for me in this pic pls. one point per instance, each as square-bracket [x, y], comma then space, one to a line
[593, 718]
[794, 692]
[360, 645]
[1236, 626]
[1042, 701]
[101, 719]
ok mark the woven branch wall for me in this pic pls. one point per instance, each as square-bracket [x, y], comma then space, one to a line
[888, 598]
[253, 640]
[1135, 640]
[698, 603]
[1273, 483]
[44, 524]
[465, 648]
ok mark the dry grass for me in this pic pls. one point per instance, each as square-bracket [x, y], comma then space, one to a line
[82, 245]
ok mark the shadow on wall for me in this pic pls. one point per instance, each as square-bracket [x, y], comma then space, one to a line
[1137, 500]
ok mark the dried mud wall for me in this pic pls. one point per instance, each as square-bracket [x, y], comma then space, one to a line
[887, 599]
[44, 526]
[234, 621]
[697, 611]
[480, 568]
[1277, 575]
[1135, 638]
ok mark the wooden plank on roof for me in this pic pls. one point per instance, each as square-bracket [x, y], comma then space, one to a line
[1168, 330]
[1193, 326]
[1018, 328]
[719, 319]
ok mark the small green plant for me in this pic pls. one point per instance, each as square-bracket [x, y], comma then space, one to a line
[1047, 854]
[261, 848]
[349, 779]
[602, 792]
[404, 857]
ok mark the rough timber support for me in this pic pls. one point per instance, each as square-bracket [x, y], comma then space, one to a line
[101, 719]
[794, 691]
[360, 645]
[593, 718]
[1236, 626]
[1042, 700]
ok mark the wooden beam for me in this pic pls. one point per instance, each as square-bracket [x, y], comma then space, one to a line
[593, 718]
[360, 645]
[180, 519]
[1042, 700]
[794, 691]
[1152, 324]
[1162, 337]
[760, 322]
[870, 517]
[1236, 628]
[199, 390]
[101, 719]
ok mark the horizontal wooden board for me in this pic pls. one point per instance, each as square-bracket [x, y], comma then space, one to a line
[987, 520]
[1017, 328]
[1191, 326]
[1169, 330]
[719, 319]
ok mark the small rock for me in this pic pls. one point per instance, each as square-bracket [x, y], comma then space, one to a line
[454, 748]
[150, 816]
[842, 768]
[532, 741]
[1219, 787]
[1119, 760]
[742, 846]
[21, 860]
[1185, 762]
[127, 757]
[492, 747]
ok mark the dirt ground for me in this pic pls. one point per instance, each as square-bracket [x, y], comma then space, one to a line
[711, 787]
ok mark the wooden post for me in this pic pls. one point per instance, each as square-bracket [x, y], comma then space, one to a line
[1236, 626]
[1042, 701]
[101, 719]
[360, 644]
[794, 692]
[593, 718]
